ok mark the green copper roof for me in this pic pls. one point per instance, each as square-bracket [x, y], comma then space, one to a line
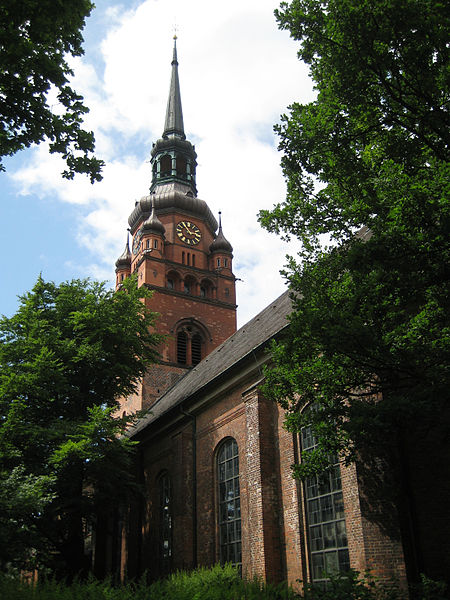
[174, 113]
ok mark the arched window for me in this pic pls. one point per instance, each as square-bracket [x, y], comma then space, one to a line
[326, 529]
[181, 347]
[196, 349]
[165, 523]
[229, 509]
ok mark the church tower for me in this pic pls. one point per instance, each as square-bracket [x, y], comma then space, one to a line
[177, 254]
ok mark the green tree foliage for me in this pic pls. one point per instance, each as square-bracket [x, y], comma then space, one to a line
[369, 342]
[35, 39]
[66, 358]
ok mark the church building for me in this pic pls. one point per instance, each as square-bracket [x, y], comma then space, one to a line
[213, 455]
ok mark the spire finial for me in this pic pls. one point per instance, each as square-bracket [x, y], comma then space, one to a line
[175, 37]
[220, 219]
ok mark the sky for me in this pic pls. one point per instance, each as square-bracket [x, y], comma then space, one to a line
[238, 73]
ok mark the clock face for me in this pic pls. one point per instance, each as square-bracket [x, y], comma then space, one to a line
[189, 233]
[137, 241]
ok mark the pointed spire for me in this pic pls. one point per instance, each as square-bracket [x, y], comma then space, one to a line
[174, 114]
[220, 243]
[124, 259]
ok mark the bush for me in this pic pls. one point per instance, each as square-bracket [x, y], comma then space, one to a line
[217, 583]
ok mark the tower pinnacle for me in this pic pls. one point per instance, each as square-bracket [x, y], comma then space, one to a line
[174, 126]
[173, 157]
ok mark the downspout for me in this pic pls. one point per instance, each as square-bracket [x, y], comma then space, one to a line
[194, 483]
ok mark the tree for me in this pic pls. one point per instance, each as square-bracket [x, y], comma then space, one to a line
[35, 39]
[67, 356]
[368, 347]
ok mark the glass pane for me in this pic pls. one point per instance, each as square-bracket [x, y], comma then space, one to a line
[326, 505]
[341, 533]
[223, 512]
[311, 487]
[338, 506]
[228, 450]
[223, 534]
[314, 511]
[324, 483]
[335, 474]
[307, 438]
[317, 566]
[329, 535]
[344, 560]
[331, 562]
[316, 538]
[229, 485]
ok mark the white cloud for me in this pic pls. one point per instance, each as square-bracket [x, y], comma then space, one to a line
[238, 72]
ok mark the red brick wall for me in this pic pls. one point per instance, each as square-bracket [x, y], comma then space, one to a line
[273, 528]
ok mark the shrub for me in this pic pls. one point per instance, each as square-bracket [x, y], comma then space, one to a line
[216, 583]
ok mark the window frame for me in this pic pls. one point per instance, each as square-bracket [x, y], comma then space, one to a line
[229, 530]
[324, 492]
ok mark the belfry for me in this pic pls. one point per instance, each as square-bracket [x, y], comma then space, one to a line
[176, 252]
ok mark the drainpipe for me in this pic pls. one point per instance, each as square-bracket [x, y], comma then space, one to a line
[194, 482]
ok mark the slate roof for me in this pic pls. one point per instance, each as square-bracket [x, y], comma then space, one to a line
[248, 338]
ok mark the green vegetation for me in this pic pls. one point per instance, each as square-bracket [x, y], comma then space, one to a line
[66, 357]
[217, 583]
[36, 39]
[369, 342]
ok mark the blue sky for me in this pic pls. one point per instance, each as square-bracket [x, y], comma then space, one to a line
[238, 73]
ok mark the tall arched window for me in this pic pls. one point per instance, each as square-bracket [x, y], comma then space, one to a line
[196, 348]
[165, 523]
[229, 509]
[181, 347]
[326, 529]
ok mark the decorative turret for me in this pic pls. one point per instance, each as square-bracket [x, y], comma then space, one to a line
[153, 224]
[221, 244]
[173, 158]
[152, 233]
[123, 264]
[221, 250]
